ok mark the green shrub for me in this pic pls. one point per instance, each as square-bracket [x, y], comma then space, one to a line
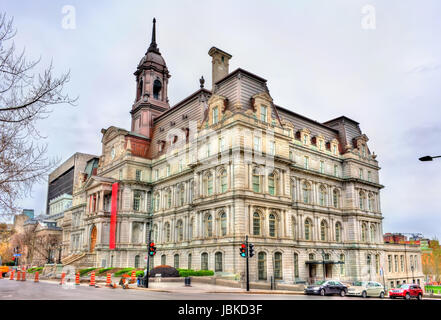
[85, 271]
[140, 273]
[35, 269]
[195, 273]
[102, 270]
[123, 271]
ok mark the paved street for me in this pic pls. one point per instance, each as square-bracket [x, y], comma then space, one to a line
[13, 290]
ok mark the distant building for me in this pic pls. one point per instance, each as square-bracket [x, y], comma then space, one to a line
[29, 212]
[63, 178]
[394, 238]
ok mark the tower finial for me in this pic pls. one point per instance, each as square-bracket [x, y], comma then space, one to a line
[153, 47]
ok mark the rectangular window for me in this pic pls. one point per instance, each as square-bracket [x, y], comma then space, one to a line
[296, 265]
[290, 155]
[138, 175]
[156, 174]
[120, 174]
[263, 113]
[208, 149]
[335, 150]
[168, 170]
[136, 200]
[306, 162]
[322, 167]
[221, 144]
[181, 165]
[271, 186]
[360, 173]
[369, 176]
[402, 263]
[396, 263]
[389, 263]
[320, 145]
[257, 144]
[335, 170]
[256, 183]
[305, 139]
[215, 115]
[272, 148]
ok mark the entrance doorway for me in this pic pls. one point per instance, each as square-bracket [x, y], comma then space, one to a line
[328, 270]
[93, 239]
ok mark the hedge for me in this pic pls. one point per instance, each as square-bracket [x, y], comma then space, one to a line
[195, 273]
[85, 271]
[122, 271]
[34, 269]
[104, 270]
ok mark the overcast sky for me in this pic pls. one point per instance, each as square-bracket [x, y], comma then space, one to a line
[319, 58]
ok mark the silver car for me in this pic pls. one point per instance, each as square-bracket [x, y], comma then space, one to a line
[366, 289]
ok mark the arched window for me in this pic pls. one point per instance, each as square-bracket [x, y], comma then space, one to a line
[167, 232]
[335, 198]
[189, 262]
[208, 225]
[157, 86]
[278, 266]
[308, 229]
[218, 262]
[296, 265]
[137, 258]
[163, 259]
[293, 228]
[204, 261]
[372, 227]
[209, 184]
[256, 180]
[190, 228]
[261, 266]
[223, 224]
[306, 193]
[176, 261]
[368, 263]
[157, 198]
[180, 230]
[377, 263]
[361, 199]
[181, 195]
[223, 181]
[272, 183]
[338, 232]
[272, 225]
[155, 233]
[323, 230]
[256, 224]
[322, 196]
[169, 198]
[371, 202]
[364, 232]
[342, 264]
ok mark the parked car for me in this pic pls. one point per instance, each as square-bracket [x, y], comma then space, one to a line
[366, 289]
[407, 291]
[323, 287]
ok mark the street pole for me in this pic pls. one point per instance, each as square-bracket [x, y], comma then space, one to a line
[248, 271]
[323, 259]
[146, 277]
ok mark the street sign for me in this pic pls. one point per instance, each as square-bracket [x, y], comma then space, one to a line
[17, 254]
[145, 258]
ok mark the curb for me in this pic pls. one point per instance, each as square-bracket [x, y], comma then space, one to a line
[259, 292]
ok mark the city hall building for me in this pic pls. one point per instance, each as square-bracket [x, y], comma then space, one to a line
[224, 164]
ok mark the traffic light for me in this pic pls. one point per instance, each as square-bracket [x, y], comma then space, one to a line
[152, 249]
[251, 250]
[243, 250]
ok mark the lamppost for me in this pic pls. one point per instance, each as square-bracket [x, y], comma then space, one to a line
[413, 278]
[428, 158]
[60, 248]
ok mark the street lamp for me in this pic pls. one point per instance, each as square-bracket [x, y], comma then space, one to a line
[323, 259]
[428, 158]
[413, 278]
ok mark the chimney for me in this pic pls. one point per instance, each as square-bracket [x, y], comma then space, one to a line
[220, 64]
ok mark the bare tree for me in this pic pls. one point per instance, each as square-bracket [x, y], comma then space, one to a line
[46, 247]
[25, 98]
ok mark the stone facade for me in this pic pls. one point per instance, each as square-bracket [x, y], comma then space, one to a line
[229, 163]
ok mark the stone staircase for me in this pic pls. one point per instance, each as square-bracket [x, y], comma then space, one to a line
[72, 258]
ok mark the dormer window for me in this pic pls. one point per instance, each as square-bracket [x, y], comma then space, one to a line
[215, 115]
[263, 113]
[305, 139]
[157, 86]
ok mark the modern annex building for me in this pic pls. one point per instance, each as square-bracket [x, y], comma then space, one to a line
[226, 163]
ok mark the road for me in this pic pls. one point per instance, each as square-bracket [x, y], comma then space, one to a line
[28, 290]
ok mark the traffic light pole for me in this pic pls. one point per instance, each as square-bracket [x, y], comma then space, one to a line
[248, 270]
[146, 277]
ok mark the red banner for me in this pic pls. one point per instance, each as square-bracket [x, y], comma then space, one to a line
[113, 215]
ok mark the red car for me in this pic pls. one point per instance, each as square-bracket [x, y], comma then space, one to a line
[407, 291]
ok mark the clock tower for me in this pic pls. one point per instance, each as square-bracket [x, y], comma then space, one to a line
[220, 64]
[151, 89]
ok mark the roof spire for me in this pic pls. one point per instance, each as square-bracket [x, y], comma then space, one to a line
[153, 47]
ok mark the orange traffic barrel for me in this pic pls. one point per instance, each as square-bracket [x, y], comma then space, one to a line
[77, 278]
[36, 279]
[92, 279]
